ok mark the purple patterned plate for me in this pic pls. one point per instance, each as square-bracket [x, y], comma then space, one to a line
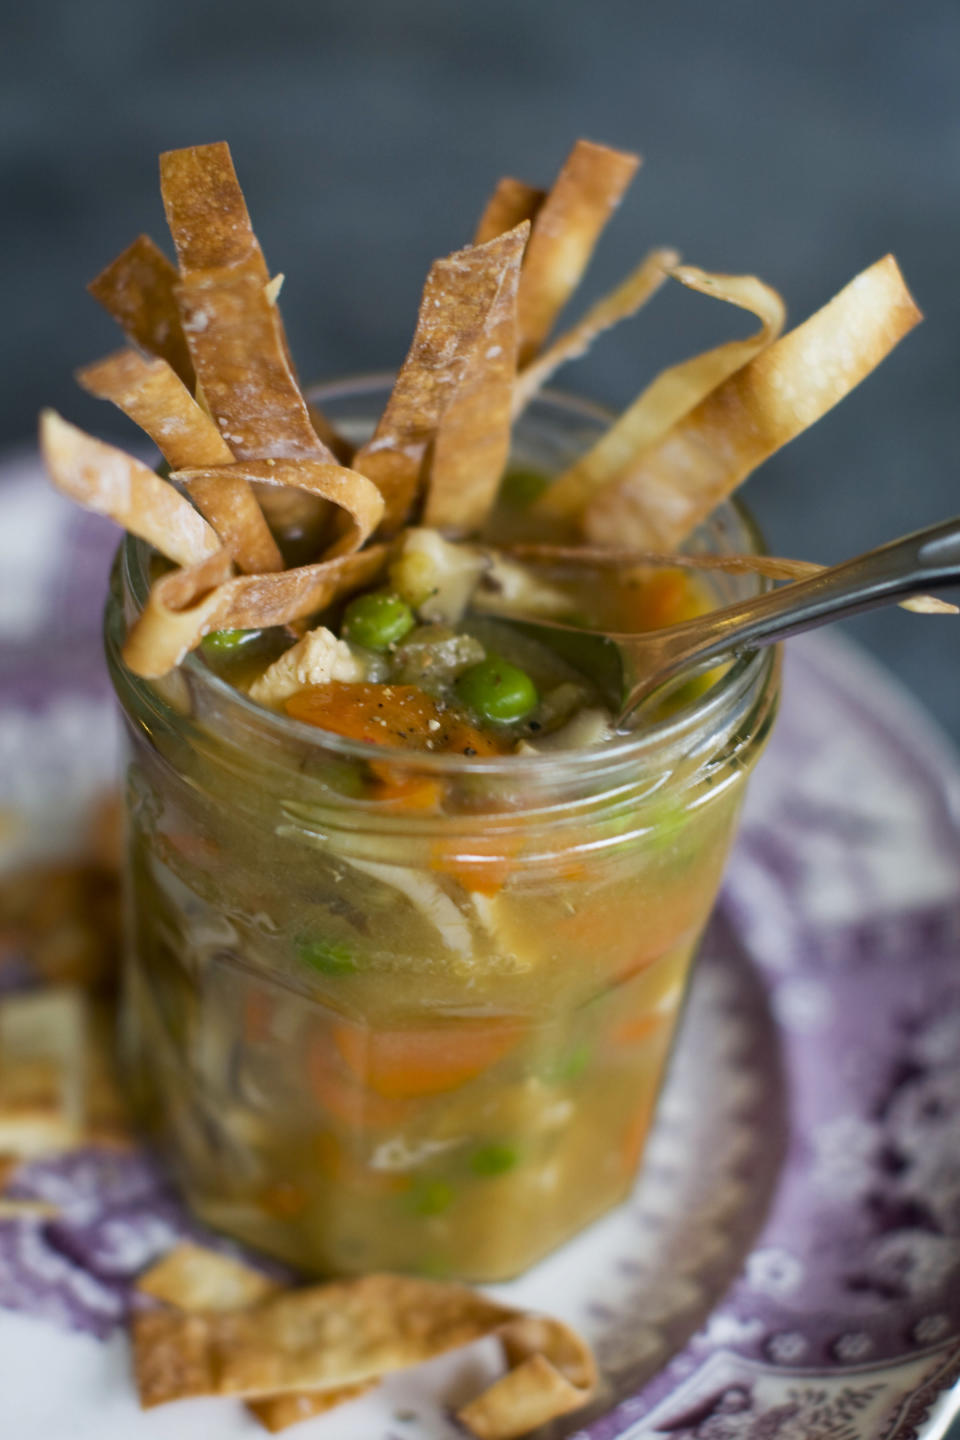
[788, 1266]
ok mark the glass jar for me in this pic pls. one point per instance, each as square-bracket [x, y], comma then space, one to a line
[428, 1039]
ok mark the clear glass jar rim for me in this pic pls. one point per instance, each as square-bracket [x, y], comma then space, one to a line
[753, 669]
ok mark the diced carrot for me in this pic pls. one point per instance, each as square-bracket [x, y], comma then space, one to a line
[489, 871]
[400, 791]
[664, 598]
[405, 1064]
[344, 1098]
[635, 1029]
[399, 716]
[282, 1199]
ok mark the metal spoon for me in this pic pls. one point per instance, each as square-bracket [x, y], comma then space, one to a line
[632, 667]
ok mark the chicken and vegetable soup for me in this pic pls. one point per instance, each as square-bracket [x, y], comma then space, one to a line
[408, 922]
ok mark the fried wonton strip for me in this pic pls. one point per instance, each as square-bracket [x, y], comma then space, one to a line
[138, 290]
[193, 1277]
[457, 297]
[110, 482]
[512, 202]
[353, 494]
[551, 1371]
[628, 297]
[187, 604]
[566, 229]
[44, 1045]
[472, 440]
[771, 566]
[232, 326]
[666, 491]
[153, 396]
[672, 393]
[279, 1412]
[348, 1332]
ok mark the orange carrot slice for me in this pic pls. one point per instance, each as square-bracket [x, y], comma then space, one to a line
[428, 1060]
[400, 716]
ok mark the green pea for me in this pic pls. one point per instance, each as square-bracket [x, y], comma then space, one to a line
[330, 957]
[227, 642]
[569, 1064]
[493, 1159]
[498, 691]
[377, 621]
[433, 1197]
[519, 488]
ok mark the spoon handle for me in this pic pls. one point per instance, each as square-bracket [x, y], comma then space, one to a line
[926, 560]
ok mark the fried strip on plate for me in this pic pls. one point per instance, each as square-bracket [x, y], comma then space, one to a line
[664, 492]
[355, 496]
[187, 604]
[628, 297]
[153, 396]
[193, 1278]
[109, 482]
[349, 1332]
[472, 440]
[460, 290]
[139, 290]
[566, 229]
[512, 202]
[672, 393]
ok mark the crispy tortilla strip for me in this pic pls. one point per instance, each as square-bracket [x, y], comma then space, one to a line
[628, 297]
[673, 393]
[353, 494]
[472, 440]
[110, 482]
[661, 495]
[139, 290]
[207, 213]
[187, 604]
[460, 290]
[195, 1278]
[192, 1277]
[566, 229]
[43, 1071]
[153, 396]
[232, 325]
[551, 1372]
[8, 1165]
[929, 605]
[348, 1332]
[512, 202]
[278, 1412]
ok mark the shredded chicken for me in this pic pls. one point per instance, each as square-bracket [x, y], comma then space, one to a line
[437, 577]
[507, 588]
[316, 659]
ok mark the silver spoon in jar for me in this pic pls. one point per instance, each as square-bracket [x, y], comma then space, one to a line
[632, 667]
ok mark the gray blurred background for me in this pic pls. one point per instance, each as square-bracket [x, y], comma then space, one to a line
[797, 141]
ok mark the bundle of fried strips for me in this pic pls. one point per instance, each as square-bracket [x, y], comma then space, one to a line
[208, 376]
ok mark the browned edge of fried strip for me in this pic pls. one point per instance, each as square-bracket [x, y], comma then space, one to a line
[137, 290]
[512, 202]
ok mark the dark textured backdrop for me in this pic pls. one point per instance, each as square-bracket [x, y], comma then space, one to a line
[800, 141]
